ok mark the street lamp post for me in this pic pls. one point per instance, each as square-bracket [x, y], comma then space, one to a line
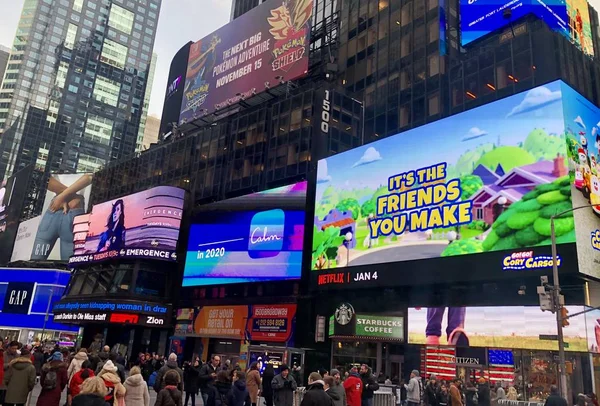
[348, 238]
[558, 301]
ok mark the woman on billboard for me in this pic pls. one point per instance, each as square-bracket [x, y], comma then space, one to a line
[114, 236]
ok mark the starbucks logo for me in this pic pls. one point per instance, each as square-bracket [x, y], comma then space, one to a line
[344, 314]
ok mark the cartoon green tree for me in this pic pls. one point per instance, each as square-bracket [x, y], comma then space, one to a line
[469, 185]
[325, 246]
[349, 205]
[367, 208]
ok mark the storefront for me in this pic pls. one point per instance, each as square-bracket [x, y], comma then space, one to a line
[27, 299]
[241, 334]
[128, 326]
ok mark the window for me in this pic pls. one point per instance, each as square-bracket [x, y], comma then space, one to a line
[71, 35]
[73, 89]
[114, 54]
[99, 129]
[151, 283]
[106, 91]
[121, 19]
[88, 163]
[434, 104]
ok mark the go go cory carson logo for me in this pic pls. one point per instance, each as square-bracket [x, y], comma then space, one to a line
[525, 260]
[595, 239]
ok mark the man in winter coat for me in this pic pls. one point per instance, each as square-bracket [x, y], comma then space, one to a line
[239, 395]
[170, 365]
[431, 391]
[207, 376]
[483, 393]
[103, 356]
[455, 393]
[19, 379]
[336, 390]
[190, 380]
[370, 385]
[555, 399]
[315, 394]
[354, 387]
[284, 386]
[11, 353]
[413, 389]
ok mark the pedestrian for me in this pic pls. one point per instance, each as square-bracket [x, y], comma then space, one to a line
[19, 379]
[220, 390]
[54, 379]
[284, 386]
[267, 389]
[253, 383]
[483, 393]
[207, 376]
[12, 352]
[555, 399]
[315, 392]
[336, 390]
[93, 392]
[370, 385]
[38, 360]
[74, 367]
[455, 397]
[171, 365]
[170, 395]
[239, 395]
[471, 396]
[191, 372]
[2, 387]
[102, 357]
[443, 395]
[115, 358]
[413, 389]
[115, 389]
[80, 376]
[431, 391]
[512, 394]
[353, 386]
[136, 389]
[500, 393]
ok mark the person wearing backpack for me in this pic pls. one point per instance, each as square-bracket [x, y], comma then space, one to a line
[19, 379]
[170, 395]
[54, 379]
[219, 392]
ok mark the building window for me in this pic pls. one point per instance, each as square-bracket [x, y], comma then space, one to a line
[114, 54]
[88, 163]
[434, 104]
[71, 35]
[99, 129]
[107, 91]
[121, 19]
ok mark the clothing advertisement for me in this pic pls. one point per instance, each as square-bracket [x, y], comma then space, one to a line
[49, 237]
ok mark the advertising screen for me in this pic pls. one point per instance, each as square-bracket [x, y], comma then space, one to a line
[496, 175]
[12, 197]
[569, 17]
[258, 50]
[142, 225]
[252, 238]
[524, 327]
[50, 236]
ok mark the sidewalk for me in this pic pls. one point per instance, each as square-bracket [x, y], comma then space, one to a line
[36, 392]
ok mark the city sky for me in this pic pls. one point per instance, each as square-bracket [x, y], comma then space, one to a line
[180, 21]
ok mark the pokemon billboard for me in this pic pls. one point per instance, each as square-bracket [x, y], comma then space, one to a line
[483, 181]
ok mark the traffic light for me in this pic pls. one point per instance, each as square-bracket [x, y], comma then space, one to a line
[564, 316]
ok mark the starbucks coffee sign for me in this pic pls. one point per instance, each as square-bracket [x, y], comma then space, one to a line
[367, 326]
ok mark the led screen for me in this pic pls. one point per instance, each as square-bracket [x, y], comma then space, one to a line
[258, 50]
[142, 225]
[252, 238]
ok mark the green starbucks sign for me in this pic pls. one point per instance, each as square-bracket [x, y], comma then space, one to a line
[371, 326]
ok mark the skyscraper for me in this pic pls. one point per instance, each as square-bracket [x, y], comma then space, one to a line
[140, 144]
[73, 96]
[4, 54]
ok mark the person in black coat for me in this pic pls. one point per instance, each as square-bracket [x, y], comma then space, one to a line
[190, 381]
[555, 399]
[471, 395]
[431, 391]
[315, 394]
[483, 393]
[267, 389]
[219, 392]
[370, 385]
[239, 395]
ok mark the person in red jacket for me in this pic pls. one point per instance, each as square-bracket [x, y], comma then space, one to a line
[354, 387]
[77, 380]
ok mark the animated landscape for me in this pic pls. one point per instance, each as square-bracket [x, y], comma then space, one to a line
[510, 158]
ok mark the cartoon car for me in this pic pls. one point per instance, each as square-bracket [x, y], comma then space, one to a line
[595, 194]
[578, 179]
[587, 182]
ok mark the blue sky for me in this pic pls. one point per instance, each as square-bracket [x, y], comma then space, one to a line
[180, 21]
[510, 119]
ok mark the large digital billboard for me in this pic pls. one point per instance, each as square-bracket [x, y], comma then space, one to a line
[50, 236]
[252, 238]
[141, 225]
[569, 17]
[482, 182]
[258, 50]
[524, 327]
[12, 197]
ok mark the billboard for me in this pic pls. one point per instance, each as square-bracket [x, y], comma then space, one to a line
[569, 17]
[12, 197]
[261, 48]
[253, 238]
[496, 175]
[50, 236]
[141, 225]
[523, 327]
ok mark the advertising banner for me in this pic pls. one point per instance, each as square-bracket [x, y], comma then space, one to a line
[489, 187]
[12, 197]
[272, 322]
[142, 225]
[114, 312]
[369, 326]
[25, 295]
[221, 321]
[258, 237]
[523, 327]
[592, 321]
[50, 236]
[258, 50]
[570, 18]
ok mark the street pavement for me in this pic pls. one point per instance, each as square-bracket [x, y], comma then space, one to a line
[36, 392]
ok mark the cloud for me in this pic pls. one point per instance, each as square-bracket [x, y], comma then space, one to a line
[473, 133]
[322, 176]
[535, 99]
[579, 122]
[371, 155]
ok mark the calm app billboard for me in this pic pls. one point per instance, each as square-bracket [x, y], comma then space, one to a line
[482, 182]
[252, 238]
[569, 17]
[258, 50]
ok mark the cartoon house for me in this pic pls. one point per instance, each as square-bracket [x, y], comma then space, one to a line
[343, 220]
[513, 185]
[487, 176]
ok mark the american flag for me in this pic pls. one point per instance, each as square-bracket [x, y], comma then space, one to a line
[439, 361]
[502, 366]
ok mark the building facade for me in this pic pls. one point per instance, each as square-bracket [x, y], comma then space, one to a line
[4, 54]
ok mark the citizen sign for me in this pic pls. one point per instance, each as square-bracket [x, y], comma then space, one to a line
[467, 361]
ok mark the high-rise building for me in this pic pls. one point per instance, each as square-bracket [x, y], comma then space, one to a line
[73, 96]
[151, 131]
[4, 54]
[139, 146]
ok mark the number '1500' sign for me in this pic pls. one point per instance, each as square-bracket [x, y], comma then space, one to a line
[325, 112]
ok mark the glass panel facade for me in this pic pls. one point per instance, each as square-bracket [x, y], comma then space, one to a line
[107, 91]
[99, 129]
[71, 35]
[114, 54]
[121, 19]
